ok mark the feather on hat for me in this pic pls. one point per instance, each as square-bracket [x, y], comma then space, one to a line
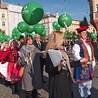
[83, 26]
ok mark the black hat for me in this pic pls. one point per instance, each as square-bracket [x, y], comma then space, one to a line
[83, 26]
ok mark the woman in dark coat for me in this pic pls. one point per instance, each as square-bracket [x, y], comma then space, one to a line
[57, 62]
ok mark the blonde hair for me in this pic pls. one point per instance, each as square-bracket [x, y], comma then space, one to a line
[54, 40]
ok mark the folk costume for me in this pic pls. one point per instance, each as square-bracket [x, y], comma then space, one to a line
[3, 67]
[60, 82]
[9, 58]
[83, 74]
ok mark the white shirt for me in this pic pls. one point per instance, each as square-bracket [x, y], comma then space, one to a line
[76, 52]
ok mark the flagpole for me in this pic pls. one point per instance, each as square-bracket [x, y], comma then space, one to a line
[66, 28]
[65, 6]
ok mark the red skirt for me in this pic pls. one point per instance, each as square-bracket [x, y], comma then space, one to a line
[9, 71]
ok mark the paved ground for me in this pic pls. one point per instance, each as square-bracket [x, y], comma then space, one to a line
[5, 92]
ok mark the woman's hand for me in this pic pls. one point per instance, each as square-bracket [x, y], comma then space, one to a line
[26, 59]
[62, 64]
[15, 65]
[83, 60]
[93, 67]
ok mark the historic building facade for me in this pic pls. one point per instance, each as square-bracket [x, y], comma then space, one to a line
[10, 16]
[48, 19]
[4, 18]
[94, 12]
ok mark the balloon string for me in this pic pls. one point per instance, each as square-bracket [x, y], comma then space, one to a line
[65, 26]
[54, 28]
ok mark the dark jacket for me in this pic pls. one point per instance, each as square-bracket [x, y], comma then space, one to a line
[60, 82]
[41, 48]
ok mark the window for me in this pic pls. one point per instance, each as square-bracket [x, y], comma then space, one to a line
[97, 7]
[3, 23]
[3, 15]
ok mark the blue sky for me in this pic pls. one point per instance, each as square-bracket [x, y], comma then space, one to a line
[77, 9]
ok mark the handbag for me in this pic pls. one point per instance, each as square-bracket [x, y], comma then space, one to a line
[16, 70]
[21, 71]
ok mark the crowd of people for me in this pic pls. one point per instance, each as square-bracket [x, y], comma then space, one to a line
[33, 54]
[27, 53]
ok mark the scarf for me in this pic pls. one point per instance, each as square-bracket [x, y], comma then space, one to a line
[28, 48]
[31, 50]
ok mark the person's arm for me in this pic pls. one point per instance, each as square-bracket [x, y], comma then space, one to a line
[56, 70]
[75, 63]
[76, 52]
[78, 62]
[5, 54]
[50, 68]
[21, 58]
[93, 64]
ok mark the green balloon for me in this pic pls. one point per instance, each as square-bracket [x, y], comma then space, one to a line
[13, 34]
[32, 13]
[39, 28]
[75, 40]
[22, 26]
[7, 38]
[54, 23]
[89, 23]
[1, 37]
[1, 34]
[65, 33]
[56, 26]
[32, 35]
[26, 33]
[92, 35]
[16, 37]
[18, 34]
[44, 32]
[70, 36]
[75, 36]
[64, 20]
[30, 29]
[15, 30]
[3, 40]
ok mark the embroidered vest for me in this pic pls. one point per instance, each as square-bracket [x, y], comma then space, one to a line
[83, 73]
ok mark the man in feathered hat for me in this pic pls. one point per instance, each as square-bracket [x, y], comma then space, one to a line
[82, 49]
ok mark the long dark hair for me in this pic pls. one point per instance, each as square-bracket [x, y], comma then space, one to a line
[14, 44]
